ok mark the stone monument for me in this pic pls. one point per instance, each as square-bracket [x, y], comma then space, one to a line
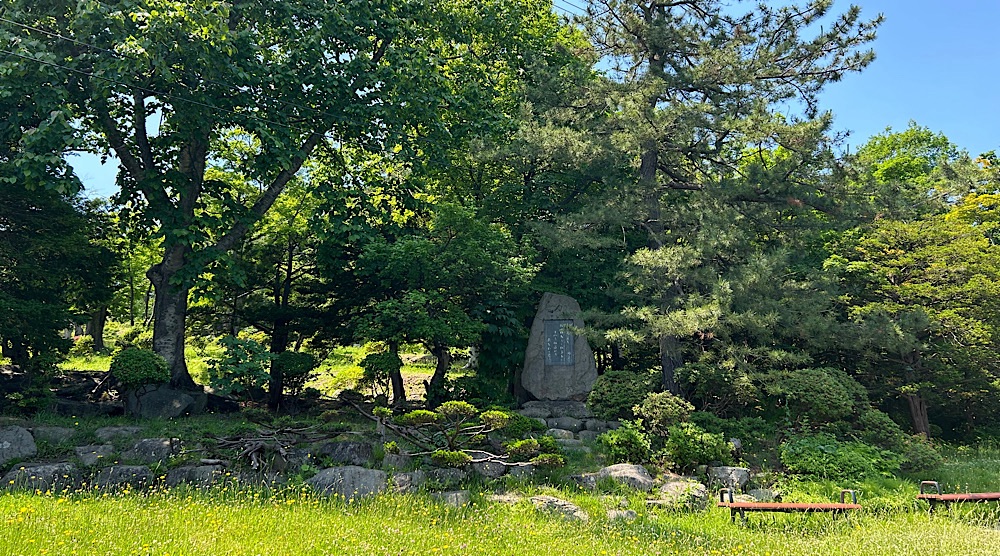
[558, 364]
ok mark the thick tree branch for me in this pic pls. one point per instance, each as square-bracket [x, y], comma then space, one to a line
[139, 123]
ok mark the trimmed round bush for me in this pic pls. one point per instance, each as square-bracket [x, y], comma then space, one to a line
[296, 369]
[135, 367]
[626, 444]
[689, 445]
[661, 410]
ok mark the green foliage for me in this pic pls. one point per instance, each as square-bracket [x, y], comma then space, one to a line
[391, 447]
[817, 395]
[522, 450]
[519, 426]
[615, 393]
[418, 417]
[378, 368]
[717, 386]
[450, 458]
[688, 445]
[495, 419]
[243, 368]
[135, 337]
[548, 461]
[878, 429]
[297, 368]
[135, 367]
[457, 411]
[626, 444]
[919, 456]
[83, 346]
[661, 410]
[823, 455]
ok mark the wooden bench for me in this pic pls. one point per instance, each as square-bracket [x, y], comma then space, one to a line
[785, 507]
[935, 498]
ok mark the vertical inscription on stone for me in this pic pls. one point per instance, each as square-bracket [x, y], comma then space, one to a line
[558, 342]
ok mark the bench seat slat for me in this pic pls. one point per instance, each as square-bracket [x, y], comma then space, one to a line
[961, 497]
[787, 506]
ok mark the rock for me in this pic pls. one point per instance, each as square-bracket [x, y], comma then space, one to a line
[566, 423]
[408, 482]
[566, 509]
[197, 475]
[16, 443]
[106, 434]
[161, 401]
[153, 450]
[349, 453]
[505, 498]
[572, 444]
[50, 477]
[541, 421]
[558, 363]
[560, 433]
[52, 435]
[522, 471]
[490, 469]
[589, 436]
[623, 515]
[456, 498]
[447, 477]
[121, 476]
[764, 495]
[349, 481]
[596, 425]
[96, 454]
[730, 477]
[689, 494]
[586, 481]
[535, 412]
[634, 476]
[396, 461]
[74, 408]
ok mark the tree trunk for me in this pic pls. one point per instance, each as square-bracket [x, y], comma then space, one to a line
[170, 315]
[276, 384]
[396, 377]
[435, 388]
[95, 328]
[918, 414]
[670, 359]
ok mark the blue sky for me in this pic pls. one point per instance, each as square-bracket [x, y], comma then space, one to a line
[936, 65]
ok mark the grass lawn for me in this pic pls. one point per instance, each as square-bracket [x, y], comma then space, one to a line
[223, 523]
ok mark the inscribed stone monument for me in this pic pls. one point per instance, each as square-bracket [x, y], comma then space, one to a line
[558, 364]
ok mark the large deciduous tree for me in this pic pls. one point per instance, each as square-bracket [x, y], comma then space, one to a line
[160, 84]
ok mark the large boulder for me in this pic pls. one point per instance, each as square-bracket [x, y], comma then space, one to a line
[52, 435]
[48, 477]
[107, 434]
[634, 476]
[196, 475]
[567, 510]
[348, 453]
[124, 476]
[408, 482]
[730, 477]
[153, 451]
[162, 401]
[349, 481]
[558, 363]
[16, 443]
[683, 493]
[447, 477]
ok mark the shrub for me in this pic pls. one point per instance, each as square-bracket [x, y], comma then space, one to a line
[615, 393]
[919, 456]
[519, 426]
[135, 337]
[626, 444]
[548, 461]
[878, 429]
[417, 418]
[716, 387]
[243, 369]
[495, 419]
[689, 445]
[135, 367]
[819, 395]
[450, 458]
[823, 455]
[296, 369]
[83, 346]
[456, 411]
[522, 450]
[661, 410]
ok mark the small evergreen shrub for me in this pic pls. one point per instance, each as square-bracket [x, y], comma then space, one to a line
[377, 369]
[135, 337]
[83, 346]
[519, 426]
[689, 445]
[296, 369]
[548, 461]
[626, 444]
[615, 393]
[819, 395]
[416, 417]
[522, 450]
[824, 456]
[919, 456]
[450, 458]
[135, 367]
[661, 410]
[878, 429]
